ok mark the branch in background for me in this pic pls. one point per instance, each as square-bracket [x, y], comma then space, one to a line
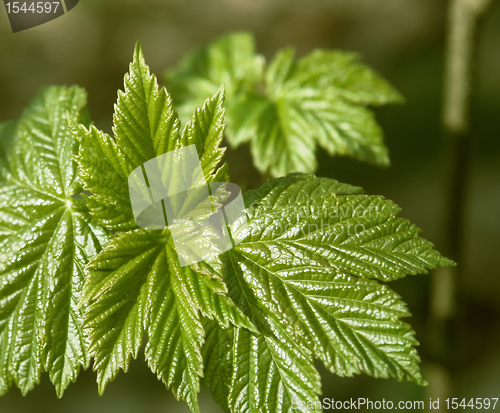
[463, 17]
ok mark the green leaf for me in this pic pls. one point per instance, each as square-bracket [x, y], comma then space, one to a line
[314, 250]
[218, 359]
[118, 312]
[263, 372]
[136, 286]
[46, 239]
[305, 272]
[290, 106]
[342, 71]
[230, 60]
[302, 281]
[329, 224]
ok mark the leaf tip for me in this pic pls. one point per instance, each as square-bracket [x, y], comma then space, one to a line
[221, 92]
[60, 390]
[71, 122]
[138, 52]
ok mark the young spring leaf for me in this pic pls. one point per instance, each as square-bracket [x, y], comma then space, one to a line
[301, 283]
[46, 239]
[262, 372]
[231, 60]
[136, 286]
[305, 272]
[288, 107]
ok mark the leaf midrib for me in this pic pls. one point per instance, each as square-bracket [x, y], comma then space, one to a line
[340, 321]
[43, 256]
[28, 185]
[283, 381]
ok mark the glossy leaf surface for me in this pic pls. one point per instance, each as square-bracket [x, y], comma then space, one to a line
[306, 273]
[136, 286]
[304, 281]
[47, 237]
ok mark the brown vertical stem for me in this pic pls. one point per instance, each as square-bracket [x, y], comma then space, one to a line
[463, 19]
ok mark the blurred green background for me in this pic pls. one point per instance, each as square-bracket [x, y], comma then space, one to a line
[404, 41]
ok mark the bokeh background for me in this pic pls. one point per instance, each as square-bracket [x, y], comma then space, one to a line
[404, 41]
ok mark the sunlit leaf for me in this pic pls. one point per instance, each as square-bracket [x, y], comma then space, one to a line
[305, 272]
[136, 285]
[47, 237]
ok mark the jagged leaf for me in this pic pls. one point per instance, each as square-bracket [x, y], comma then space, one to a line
[231, 60]
[47, 237]
[333, 224]
[136, 285]
[288, 107]
[264, 372]
[305, 272]
[303, 279]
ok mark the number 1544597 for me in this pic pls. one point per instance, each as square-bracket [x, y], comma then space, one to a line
[32, 7]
